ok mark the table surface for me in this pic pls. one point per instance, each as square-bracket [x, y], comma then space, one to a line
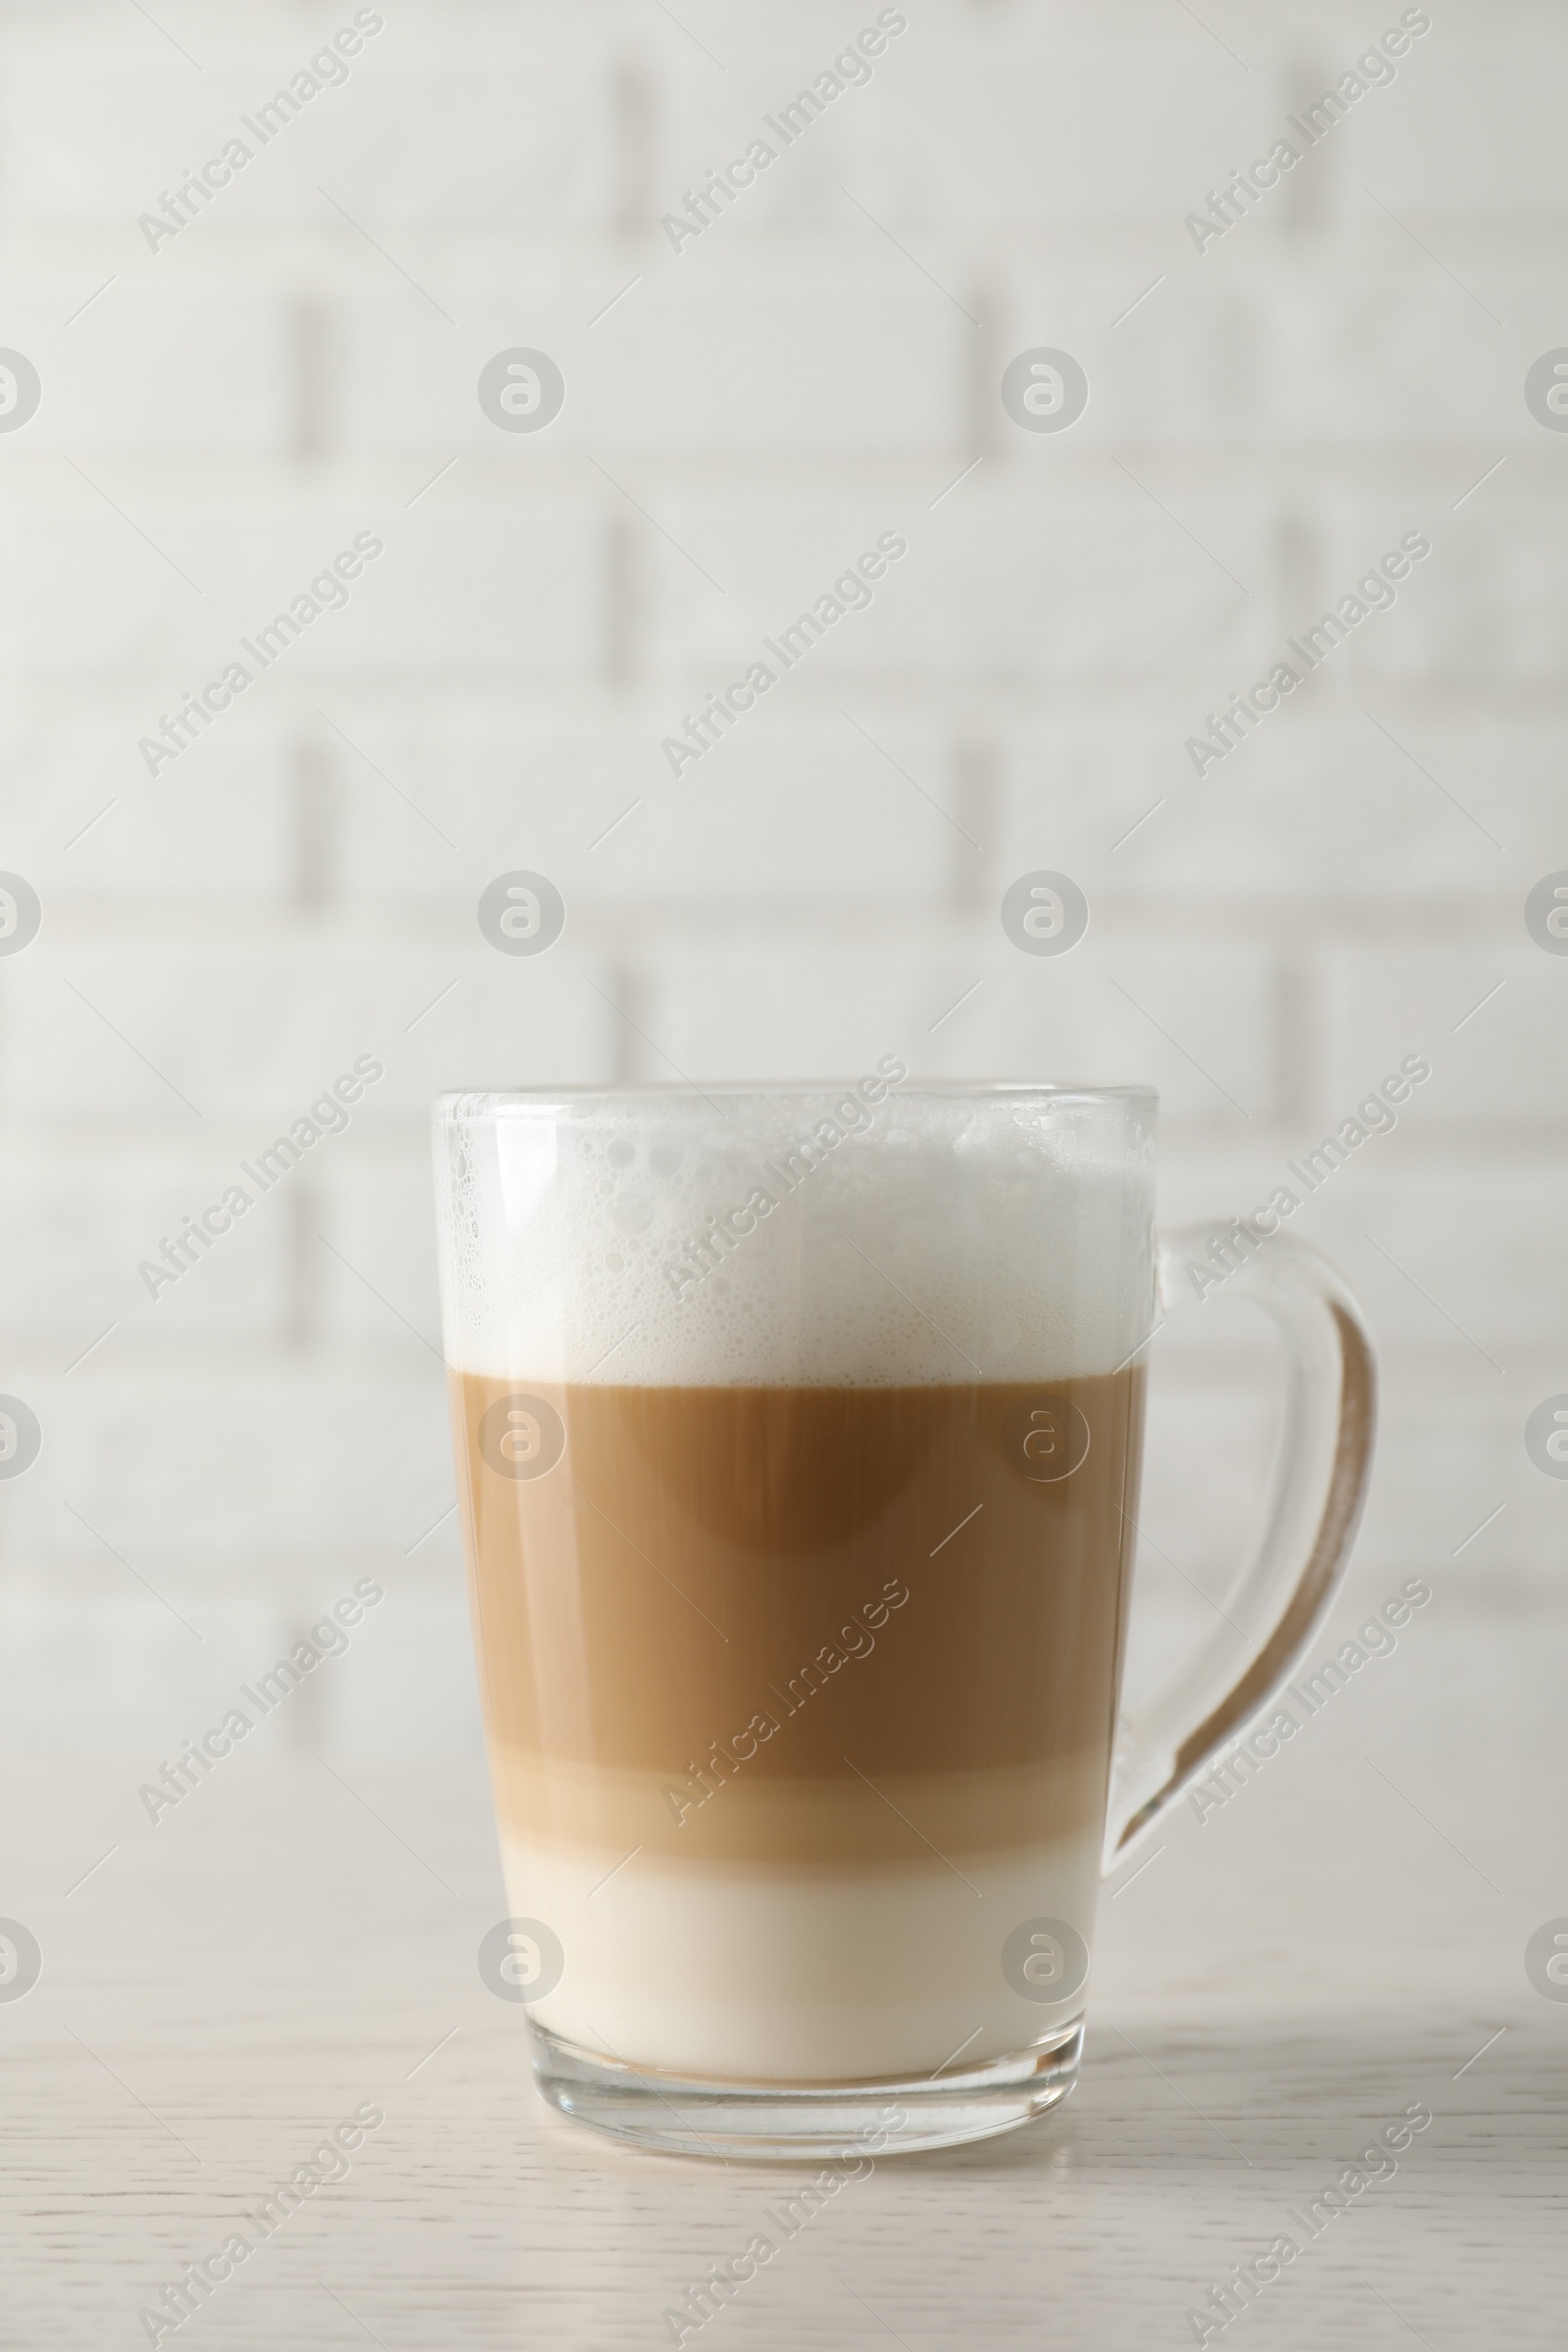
[1342, 1941]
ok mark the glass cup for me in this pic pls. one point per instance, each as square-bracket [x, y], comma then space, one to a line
[798, 1434]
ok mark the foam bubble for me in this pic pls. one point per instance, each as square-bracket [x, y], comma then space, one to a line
[807, 1237]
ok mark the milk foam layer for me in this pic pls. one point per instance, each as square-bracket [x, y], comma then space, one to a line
[813, 1237]
[796, 1976]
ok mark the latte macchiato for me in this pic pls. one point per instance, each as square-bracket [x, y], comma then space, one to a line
[800, 1569]
[798, 1432]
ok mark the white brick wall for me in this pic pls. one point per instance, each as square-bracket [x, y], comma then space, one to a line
[220, 416]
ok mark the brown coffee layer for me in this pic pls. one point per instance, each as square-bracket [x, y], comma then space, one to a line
[732, 1588]
[818, 1823]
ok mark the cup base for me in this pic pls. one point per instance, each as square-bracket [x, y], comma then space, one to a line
[681, 2114]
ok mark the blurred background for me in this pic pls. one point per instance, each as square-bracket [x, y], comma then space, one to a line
[1279, 389]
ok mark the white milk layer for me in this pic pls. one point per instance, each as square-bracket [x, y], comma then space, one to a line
[856, 1235]
[758, 1975]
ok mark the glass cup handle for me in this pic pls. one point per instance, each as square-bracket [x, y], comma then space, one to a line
[1319, 1485]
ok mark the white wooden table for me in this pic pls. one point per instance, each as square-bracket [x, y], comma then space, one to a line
[1282, 1980]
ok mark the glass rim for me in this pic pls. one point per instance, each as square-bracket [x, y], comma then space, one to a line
[481, 1101]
